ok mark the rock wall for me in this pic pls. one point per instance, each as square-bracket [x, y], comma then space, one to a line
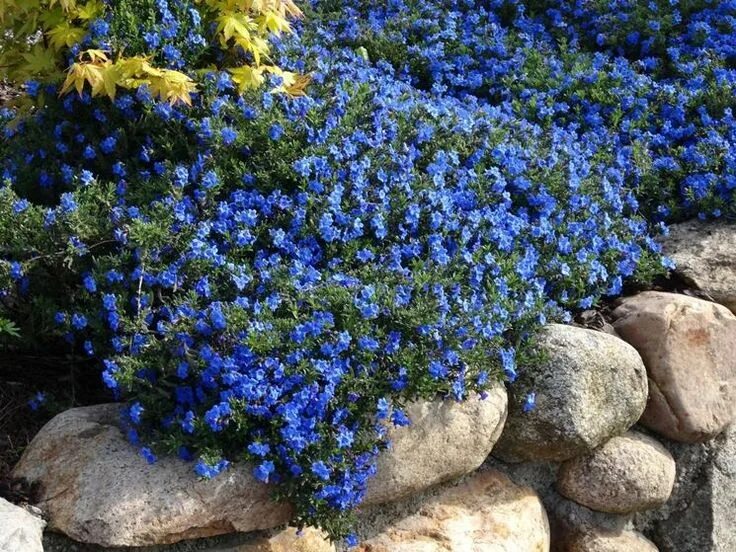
[630, 447]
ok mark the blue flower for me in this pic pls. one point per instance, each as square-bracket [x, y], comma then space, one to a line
[148, 454]
[38, 400]
[321, 470]
[79, 321]
[263, 471]
[529, 402]
[275, 132]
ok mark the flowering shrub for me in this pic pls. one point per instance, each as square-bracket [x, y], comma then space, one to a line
[668, 106]
[271, 277]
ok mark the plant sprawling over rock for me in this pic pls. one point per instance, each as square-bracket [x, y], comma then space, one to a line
[270, 277]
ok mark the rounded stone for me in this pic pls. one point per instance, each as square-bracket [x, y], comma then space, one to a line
[688, 348]
[630, 473]
[446, 440]
[287, 540]
[20, 530]
[487, 511]
[609, 541]
[96, 488]
[589, 387]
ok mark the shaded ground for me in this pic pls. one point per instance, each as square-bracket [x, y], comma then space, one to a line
[18, 424]
[65, 381]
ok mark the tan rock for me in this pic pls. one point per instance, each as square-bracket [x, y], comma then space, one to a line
[486, 513]
[705, 257]
[589, 387]
[446, 440]
[688, 348]
[97, 489]
[288, 540]
[609, 541]
[630, 473]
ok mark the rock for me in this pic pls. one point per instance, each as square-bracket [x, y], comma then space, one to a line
[590, 386]
[287, 540]
[609, 541]
[20, 531]
[487, 512]
[627, 474]
[445, 441]
[705, 255]
[97, 489]
[700, 514]
[688, 348]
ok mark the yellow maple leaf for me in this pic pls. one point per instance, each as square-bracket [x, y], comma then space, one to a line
[273, 22]
[65, 34]
[247, 77]
[172, 86]
[231, 24]
[38, 61]
[95, 55]
[80, 74]
[91, 10]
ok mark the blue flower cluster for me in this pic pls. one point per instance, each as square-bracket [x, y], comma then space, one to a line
[273, 279]
[658, 78]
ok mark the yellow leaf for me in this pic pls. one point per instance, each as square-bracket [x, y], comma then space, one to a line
[95, 55]
[299, 86]
[91, 10]
[65, 35]
[293, 84]
[273, 22]
[233, 24]
[247, 77]
[173, 87]
[81, 73]
[39, 60]
[110, 78]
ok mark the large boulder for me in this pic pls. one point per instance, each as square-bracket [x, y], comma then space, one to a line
[20, 530]
[487, 512]
[97, 489]
[589, 386]
[688, 348]
[627, 474]
[705, 257]
[445, 440]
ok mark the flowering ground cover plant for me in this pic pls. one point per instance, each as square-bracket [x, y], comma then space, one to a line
[270, 277]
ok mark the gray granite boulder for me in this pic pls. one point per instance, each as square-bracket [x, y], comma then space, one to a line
[20, 530]
[590, 386]
[700, 515]
[629, 473]
[705, 257]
